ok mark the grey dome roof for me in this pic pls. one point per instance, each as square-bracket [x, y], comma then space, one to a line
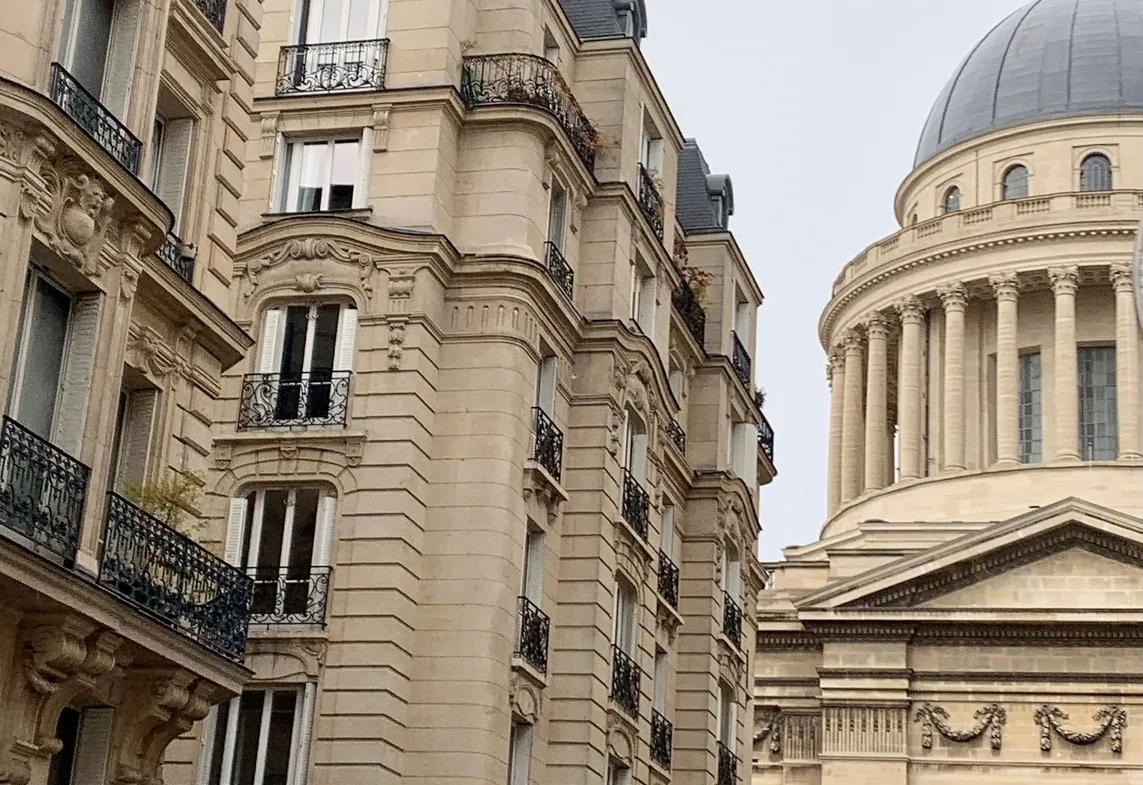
[1051, 59]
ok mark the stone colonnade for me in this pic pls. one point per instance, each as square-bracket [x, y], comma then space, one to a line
[861, 456]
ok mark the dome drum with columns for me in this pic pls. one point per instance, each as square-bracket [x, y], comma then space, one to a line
[970, 612]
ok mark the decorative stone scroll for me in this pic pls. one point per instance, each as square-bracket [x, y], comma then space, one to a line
[989, 718]
[1110, 720]
[768, 731]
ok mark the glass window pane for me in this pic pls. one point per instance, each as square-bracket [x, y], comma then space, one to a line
[359, 20]
[313, 163]
[246, 740]
[1098, 411]
[278, 745]
[344, 175]
[218, 743]
[331, 21]
[1015, 183]
[1031, 409]
[43, 357]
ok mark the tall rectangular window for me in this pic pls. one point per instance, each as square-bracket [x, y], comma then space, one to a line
[520, 754]
[1098, 412]
[557, 215]
[260, 738]
[170, 157]
[1031, 409]
[727, 716]
[321, 176]
[623, 634]
[659, 698]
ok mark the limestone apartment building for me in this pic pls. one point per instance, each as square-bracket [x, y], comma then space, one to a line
[493, 462]
[123, 126]
[972, 610]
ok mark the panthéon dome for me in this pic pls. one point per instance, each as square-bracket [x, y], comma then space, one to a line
[1051, 59]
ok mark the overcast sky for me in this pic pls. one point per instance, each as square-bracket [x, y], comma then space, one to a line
[814, 108]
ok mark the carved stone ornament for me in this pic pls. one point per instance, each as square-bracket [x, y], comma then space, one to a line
[147, 351]
[1110, 722]
[620, 744]
[525, 698]
[308, 282]
[396, 344]
[991, 718]
[768, 730]
[381, 114]
[76, 222]
[401, 282]
[1065, 279]
[269, 132]
[307, 249]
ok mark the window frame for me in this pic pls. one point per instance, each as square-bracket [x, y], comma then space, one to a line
[300, 734]
[1030, 414]
[305, 14]
[1109, 173]
[949, 194]
[1008, 185]
[558, 230]
[625, 623]
[290, 172]
[1106, 393]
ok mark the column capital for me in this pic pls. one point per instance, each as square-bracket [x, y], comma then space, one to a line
[853, 341]
[835, 361]
[1122, 278]
[877, 326]
[1065, 280]
[1005, 286]
[953, 297]
[910, 310]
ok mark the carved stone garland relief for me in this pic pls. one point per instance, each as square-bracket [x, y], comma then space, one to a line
[1110, 722]
[991, 718]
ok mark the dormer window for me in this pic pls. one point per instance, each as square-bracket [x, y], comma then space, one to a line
[632, 18]
[721, 193]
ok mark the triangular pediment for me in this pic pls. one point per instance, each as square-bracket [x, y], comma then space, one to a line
[1071, 555]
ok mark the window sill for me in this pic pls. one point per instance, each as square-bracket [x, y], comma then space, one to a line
[354, 213]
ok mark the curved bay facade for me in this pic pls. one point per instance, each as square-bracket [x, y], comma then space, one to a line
[970, 611]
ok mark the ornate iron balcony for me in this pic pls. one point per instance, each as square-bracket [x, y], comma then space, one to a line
[42, 491]
[625, 681]
[731, 620]
[290, 595]
[332, 67]
[651, 201]
[727, 766]
[740, 361]
[635, 504]
[668, 580]
[534, 81]
[532, 643]
[766, 439]
[174, 579]
[559, 269]
[171, 254]
[95, 119]
[274, 400]
[691, 311]
[677, 436]
[214, 11]
[547, 443]
[662, 733]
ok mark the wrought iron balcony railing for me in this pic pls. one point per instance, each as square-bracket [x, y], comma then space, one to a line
[174, 579]
[171, 254]
[532, 643]
[275, 400]
[636, 504]
[625, 681]
[766, 439]
[214, 11]
[559, 269]
[42, 491]
[740, 361]
[531, 80]
[651, 201]
[547, 443]
[677, 436]
[731, 620]
[662, 733]
[727, 766]
[691, 311]
[668, 580]
[290, 595]
[332, 67]
[95, 119]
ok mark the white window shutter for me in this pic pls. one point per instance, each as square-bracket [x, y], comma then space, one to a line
[171, 187]
[346, 340]
[139, 427]
[121, 57]
[75, 380]
[305, 735]
[323, 535]
[235, 531]
[268, 346]
[92, 746]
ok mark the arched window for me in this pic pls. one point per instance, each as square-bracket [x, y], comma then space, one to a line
[1015, 184]
[912, 219]
[1095, 173]
[951, 202]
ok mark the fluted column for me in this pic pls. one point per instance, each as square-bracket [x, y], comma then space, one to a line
[912, 314]
[955, 300]
[853, 422]
[836, 374]
[1126, 362]
[876, 402]
[1007, 370]
[1065, 281]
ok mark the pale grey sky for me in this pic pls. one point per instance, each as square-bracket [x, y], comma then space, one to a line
[814, 108]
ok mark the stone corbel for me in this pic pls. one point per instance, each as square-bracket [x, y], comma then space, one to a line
[579, 202]
[381, 114]
[75, 225]
[159, 706]
[269, 123]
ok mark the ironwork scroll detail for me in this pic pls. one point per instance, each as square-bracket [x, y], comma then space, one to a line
[989, 718]
[1110, 722]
